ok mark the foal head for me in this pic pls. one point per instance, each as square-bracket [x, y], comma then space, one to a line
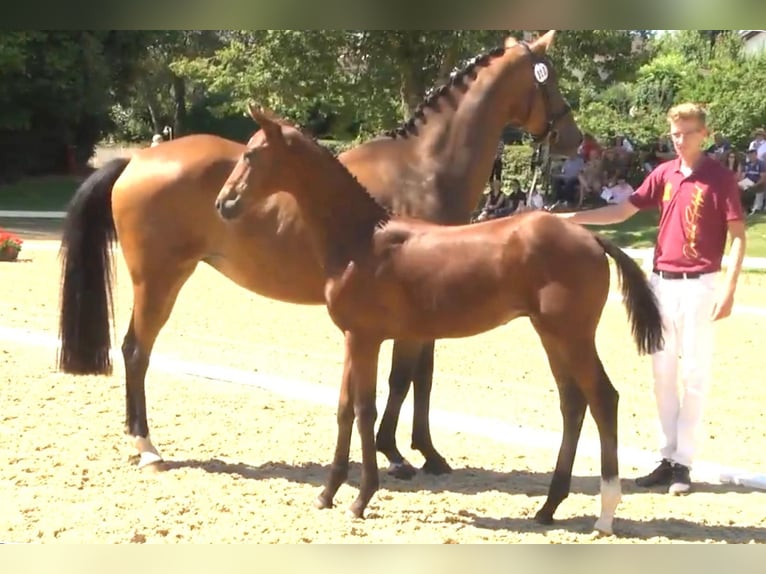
[268, 165]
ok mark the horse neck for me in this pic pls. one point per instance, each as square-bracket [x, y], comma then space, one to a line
[339, 213]
[455, 147]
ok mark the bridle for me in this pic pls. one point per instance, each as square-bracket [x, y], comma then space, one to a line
[541, 73]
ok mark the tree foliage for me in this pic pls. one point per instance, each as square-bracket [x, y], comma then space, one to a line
[70, 88]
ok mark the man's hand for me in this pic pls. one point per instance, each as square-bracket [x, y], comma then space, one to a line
[723, 306]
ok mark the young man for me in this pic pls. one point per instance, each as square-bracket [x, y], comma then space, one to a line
[699, 203]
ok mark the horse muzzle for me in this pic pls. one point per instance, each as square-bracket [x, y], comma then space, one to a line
[229, 204]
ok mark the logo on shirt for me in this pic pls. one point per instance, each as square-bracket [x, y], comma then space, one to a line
[668, 192]
[691, 223]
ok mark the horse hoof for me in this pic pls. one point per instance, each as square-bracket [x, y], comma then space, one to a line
[402, 470]
[149, 458]
[322, 504]
[437, 466]
[544, 517]
[355, 513]
[154, 467]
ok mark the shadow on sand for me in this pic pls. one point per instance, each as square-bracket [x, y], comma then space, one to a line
[531, 484]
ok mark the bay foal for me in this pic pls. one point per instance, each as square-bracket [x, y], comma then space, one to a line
[391, 277]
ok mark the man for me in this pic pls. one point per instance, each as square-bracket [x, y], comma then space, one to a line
[719, 146]
[565, 182]
[759, 144]
[754, 176]
[699, 203]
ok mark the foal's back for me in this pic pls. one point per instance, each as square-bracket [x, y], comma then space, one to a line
[422, 280]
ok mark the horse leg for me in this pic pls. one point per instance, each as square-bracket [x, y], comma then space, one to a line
[345, 417]
[404, 362]
[421, 430]
[585, 383]
[573, 404]
[364, 353]
[357, 399]
[603, 401]
[153, 300]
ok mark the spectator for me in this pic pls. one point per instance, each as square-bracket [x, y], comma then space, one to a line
[588, 144]
[565, 182]
[156, 140]
[591, 177]
[719, 146]
[616, 190]
[754, 177]
[759, 144]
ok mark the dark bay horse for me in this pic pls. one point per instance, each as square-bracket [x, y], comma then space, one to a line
[159, 204]
[394, 277]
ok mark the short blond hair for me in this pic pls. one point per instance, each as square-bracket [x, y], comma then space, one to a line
[688, 111]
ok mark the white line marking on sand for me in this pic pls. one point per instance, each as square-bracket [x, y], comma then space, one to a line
[457, 422]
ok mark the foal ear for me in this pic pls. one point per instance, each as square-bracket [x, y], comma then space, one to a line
[544, 42]
[265, 120]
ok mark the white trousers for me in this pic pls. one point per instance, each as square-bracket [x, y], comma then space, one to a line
[758, 203]
[683, 369]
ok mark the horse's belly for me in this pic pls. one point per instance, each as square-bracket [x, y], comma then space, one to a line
[289, 280]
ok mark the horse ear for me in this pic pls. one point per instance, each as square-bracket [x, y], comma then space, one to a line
[544, 42]
[265, 120]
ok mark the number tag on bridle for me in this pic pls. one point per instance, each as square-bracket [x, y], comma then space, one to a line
[541, 72]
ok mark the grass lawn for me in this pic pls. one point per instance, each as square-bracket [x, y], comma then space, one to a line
[50, 193]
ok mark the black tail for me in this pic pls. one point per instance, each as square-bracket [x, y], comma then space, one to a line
[638, 297]
[86, 265]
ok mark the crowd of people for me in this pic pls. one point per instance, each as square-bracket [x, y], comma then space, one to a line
[599, 175]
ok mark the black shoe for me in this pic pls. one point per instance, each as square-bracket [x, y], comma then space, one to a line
[660, 476]
[680, 482]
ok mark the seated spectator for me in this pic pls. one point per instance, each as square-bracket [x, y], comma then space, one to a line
[591, 178]
[719, 147]
[588, 144]
[617, 189]
[517, 197]
[496, 200]
[622, 143]
[565, 183]
[759, 144]
[754, 172]
[730, 159]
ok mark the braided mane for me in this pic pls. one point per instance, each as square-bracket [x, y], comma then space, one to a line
[456, 79]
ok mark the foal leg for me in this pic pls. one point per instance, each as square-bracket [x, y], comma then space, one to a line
[603, 400]
[404, 363]
[421, 431]
[357, 398]
[585, 383]
[345, 417]
[153, 300]
[573, 404]
[365, 371]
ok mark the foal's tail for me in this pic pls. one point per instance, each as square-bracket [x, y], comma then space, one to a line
[638, 297]
[86, 269]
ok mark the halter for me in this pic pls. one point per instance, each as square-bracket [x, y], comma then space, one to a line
[541, 73]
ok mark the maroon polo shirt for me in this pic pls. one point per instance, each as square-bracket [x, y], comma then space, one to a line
[694, 214]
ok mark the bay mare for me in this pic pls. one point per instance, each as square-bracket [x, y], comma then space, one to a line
[393, 277]
[159, 204]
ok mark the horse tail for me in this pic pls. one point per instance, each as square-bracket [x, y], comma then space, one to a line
[86, 270]
[638, 298]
